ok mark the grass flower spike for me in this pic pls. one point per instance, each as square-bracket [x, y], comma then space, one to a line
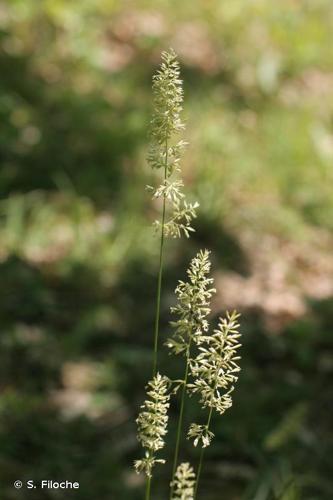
[152, 423]
[215, 368]
[193, 305]
[168, 99]
[183, 483]
[165, 152]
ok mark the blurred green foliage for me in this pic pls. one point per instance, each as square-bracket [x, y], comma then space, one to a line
[78, 258]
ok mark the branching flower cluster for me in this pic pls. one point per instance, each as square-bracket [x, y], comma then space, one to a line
[183, 483]
[193, 305]
[215, 371]
[215, 368]
[152, 423]
[200, 433]
[165, 153]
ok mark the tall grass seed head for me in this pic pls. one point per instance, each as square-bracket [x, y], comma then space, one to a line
[152, 423]
[164, 151]
[168, 98]
[193, 304]
[215, 371]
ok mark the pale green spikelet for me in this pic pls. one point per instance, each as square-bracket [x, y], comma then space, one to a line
[183, 482]
[200, 433]
[193, 305]
[181, 219]
[215, 371]
[152, 423]
[165, 152]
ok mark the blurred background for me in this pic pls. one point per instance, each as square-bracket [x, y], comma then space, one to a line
[78, 258]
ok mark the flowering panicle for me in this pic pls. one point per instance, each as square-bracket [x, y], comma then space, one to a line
[193, 305]
[168, 99]
[164, 151]
[152, 423]
[215, 371]
[183, 483]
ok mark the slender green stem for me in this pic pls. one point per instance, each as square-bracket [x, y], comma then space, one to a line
[160, 272]
[199, 472]
[148, 484]
[158, 300]
[202, 457]
[181, 414]
[159, 287]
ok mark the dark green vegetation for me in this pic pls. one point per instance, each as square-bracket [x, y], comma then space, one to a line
[78, 263]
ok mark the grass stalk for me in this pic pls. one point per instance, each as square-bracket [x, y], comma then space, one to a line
[202, 452]
[160, 272]
[148, 484]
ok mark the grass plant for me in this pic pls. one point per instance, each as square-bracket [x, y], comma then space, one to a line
[210, 359]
